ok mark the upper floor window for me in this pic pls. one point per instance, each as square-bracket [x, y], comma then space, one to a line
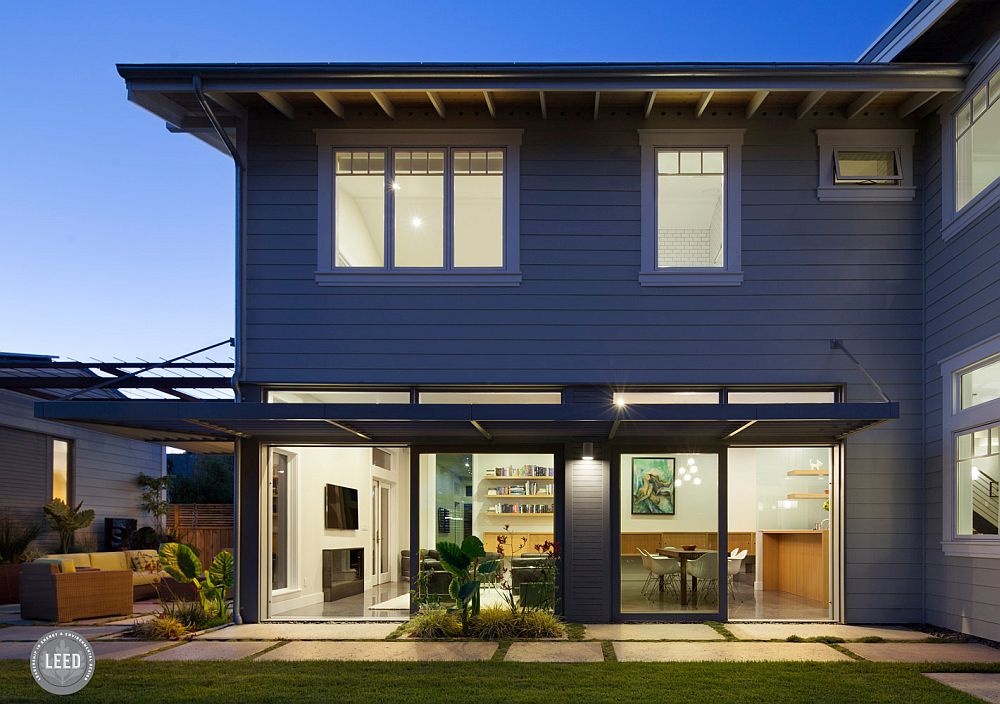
[865, 165]
[61, 470]
[977, 142]
[970, 148]
[691, 207]
[970, 442]
[418, 207]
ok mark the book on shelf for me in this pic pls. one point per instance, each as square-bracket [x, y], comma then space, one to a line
[529, 509]
[528, 470]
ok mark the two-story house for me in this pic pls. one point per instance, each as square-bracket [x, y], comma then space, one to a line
[728, 333]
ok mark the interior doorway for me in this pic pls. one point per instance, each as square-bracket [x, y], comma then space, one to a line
[381, 496]
[337, 538]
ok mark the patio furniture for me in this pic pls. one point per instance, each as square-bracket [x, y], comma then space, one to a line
[144, 566]
[50, 594]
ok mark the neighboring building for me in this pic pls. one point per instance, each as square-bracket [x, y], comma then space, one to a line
[42, 460]
[707, 305]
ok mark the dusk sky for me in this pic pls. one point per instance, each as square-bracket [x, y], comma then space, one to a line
[118, 236]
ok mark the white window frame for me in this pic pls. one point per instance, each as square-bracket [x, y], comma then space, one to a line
[731, 143]
[830, 142]
[954, 422]
[896, 177]
[953, 220]
[331, 140]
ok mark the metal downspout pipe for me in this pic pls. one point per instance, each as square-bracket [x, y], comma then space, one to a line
[240, 167]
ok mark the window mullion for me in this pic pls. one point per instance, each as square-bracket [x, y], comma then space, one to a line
[449, 209]
[390, 210]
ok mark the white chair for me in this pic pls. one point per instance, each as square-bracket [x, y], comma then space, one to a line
[735, 567]
[706, 570]
[664, 568]
[647, 564]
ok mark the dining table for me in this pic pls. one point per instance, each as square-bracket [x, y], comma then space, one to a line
[683, 556]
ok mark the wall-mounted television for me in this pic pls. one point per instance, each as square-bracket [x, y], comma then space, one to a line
[341, 507]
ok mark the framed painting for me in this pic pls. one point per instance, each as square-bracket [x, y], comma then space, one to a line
[653, 486]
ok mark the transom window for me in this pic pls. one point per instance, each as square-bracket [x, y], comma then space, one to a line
[977, 142]
[420, 206]
[980, 385]
[873, 168]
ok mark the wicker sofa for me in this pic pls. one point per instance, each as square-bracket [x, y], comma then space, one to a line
[50, 594]
[144, 566]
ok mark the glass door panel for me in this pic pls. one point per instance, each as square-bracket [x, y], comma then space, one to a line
[781, 523]
[669, 515]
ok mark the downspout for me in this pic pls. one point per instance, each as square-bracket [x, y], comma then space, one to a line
[240, 167]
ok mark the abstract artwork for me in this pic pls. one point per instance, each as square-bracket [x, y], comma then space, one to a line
[653, 486]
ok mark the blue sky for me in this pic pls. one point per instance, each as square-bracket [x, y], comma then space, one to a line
[117, 237]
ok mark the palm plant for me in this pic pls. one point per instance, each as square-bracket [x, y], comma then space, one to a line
[465, 564]
[66, 520]
[16, 538]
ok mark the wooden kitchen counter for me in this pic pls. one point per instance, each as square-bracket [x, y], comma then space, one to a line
[797, 562]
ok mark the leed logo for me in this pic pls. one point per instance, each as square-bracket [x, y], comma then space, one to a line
[62, 662]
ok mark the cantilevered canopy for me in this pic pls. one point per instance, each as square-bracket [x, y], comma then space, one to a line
[215, 424]
[346, 92]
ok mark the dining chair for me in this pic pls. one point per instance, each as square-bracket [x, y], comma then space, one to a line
[706, 570]
[666, 568]
[647, 564]
[735, 567]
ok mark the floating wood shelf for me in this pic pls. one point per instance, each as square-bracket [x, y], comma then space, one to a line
[520, 496]
[806, 495]
[808, 473]
[525, 515]
[519, 479]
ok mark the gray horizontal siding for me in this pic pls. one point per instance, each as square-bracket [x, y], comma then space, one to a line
[813, 271]
[962, 292]
[105, 469]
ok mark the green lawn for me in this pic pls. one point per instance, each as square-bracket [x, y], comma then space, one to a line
[492, 682]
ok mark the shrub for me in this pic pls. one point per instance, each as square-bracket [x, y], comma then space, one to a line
[66, 520]
[192, 614]
[16, 538]
[827, 639]
[494, 623]
[539, 624]
[163, 627]
[432, 622]
[795, 639]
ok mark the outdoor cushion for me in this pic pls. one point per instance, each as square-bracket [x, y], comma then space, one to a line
[144, 560]
[109, 561]
[144, 578]
[80, 559]
[65, 566]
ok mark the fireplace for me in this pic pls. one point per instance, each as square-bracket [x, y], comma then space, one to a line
[343, 573]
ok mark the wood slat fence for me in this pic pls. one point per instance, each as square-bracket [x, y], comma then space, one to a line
[207, 527]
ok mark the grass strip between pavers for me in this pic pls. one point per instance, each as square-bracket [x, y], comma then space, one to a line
[541, 683]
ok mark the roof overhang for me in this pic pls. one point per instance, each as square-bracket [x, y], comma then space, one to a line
[215, 424]
[345, 92]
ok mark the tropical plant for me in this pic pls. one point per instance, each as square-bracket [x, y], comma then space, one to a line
[180, 562]
[152, 497]
[433, 622]
[16, 538]
[163, 627]
[192, 614]
[466, 565]
[546, 589]
[494, 623]
[539, 624]
[66, 521]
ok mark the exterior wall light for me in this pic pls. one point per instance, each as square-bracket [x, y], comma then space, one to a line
[588, 451]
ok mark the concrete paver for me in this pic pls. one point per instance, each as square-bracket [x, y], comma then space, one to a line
[985, 685]
[651, 631]
[925, 652]
[555, 652]
[124, 649]
[780, 631]
[33, 633]
[213, 650]
[407, 651]
[303, 631]
[725, 652]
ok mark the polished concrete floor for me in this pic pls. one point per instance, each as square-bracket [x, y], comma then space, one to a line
[355, 606]
[748, 604]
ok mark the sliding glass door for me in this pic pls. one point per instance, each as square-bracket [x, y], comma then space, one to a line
[667, 511]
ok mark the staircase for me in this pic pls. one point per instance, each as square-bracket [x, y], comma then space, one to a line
[985, 511]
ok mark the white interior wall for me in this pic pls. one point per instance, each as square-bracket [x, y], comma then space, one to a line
[696, 506]
[312, 469]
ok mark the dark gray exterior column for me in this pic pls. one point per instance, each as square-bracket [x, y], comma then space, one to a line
[248, 557]
[587, 568]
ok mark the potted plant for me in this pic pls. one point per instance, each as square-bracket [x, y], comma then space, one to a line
[66, 521]
[15, 549]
